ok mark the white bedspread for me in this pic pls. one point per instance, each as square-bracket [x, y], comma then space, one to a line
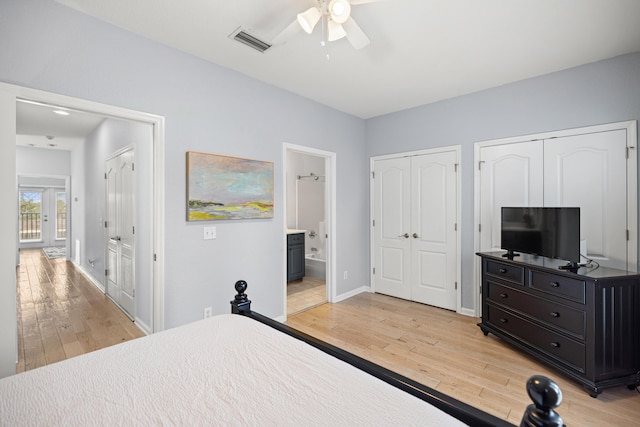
[224, 371]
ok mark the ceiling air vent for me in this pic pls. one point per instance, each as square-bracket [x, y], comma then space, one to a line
[249, 40]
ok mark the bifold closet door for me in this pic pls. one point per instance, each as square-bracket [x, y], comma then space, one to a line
[590, 172]
[434, 229]
[414, 231]
[510, 175]
[392, 224]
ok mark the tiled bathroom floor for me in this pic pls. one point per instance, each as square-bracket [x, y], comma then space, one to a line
[304, 294]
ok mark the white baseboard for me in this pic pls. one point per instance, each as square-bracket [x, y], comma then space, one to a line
[467, 312]
[142, 326]
[280, 319]
[89, 276]
[352, 293]
[464, 311]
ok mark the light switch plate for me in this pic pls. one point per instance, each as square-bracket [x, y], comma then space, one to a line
[209, 233]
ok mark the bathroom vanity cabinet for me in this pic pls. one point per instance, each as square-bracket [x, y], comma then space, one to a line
[295, 256]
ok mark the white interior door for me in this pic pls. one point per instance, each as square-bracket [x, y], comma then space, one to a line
[415, 243]
[392, 227]
[433, 233]
[120, 230]
[589, 168]
[510, 175]
[590, 172]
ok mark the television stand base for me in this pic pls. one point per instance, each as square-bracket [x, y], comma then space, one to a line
[510, 254]
[571, 266]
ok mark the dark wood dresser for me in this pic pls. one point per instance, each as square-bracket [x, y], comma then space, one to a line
[585, 323]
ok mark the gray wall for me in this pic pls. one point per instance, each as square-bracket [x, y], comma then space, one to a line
[603, 92]
[207, 108]
[39, 161]
[108, 138]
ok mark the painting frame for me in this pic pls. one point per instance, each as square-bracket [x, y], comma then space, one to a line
[222, 187]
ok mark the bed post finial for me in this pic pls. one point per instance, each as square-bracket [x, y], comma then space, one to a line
[545, 395]
[240, 303]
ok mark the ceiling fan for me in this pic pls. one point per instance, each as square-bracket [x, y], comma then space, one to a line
[336, 15]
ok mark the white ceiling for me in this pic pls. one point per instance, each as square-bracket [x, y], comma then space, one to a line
[421, 51]
[38, 126]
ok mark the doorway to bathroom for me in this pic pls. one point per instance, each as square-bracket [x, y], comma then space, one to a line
[309, 188]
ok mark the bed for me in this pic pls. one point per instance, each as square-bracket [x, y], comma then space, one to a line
[239, 369]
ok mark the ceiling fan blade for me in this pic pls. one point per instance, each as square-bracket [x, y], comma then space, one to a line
[287, 33]
[334, 31]
[355, 35]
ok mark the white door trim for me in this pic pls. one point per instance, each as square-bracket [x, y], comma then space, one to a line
[632, 182]
[457, 149]
[330, 206]
[23, 93]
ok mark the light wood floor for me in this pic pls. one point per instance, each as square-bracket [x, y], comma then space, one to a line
[61, 314]
[448, 352]
[305, 293]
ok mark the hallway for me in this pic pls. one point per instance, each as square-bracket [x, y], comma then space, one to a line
[61, 314]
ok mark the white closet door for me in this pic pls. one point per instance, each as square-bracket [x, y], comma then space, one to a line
[392, 227]
[120, 231]
[510, 175]
[433, 233]
[590, 172]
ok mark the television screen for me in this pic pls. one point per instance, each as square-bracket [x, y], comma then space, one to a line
[544, 231]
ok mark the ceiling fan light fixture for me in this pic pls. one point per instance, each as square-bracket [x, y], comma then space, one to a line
[335, 31]
[309, 19]
[340, 10]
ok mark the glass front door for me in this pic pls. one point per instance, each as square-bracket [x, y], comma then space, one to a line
[42, 217]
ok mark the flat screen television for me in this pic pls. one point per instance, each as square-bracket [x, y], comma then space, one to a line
[544, 231]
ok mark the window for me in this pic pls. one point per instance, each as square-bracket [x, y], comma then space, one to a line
[30, 215]
[61, 215]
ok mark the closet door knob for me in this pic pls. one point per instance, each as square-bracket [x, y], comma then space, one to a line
[405, 235]
[415, 235]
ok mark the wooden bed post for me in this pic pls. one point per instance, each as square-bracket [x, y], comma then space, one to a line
[240, 303]
[545, 395]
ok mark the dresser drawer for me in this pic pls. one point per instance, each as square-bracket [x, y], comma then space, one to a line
[564, 287]
[293, 239]
[557, 315]
[561, 348]
[504, 271]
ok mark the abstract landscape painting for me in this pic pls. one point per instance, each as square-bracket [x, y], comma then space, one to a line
[223, 187]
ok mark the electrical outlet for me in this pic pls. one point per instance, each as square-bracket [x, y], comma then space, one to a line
[207, 312]
[345, 275]
[209, 233]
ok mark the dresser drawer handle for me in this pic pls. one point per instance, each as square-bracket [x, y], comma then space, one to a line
[503, 295]
[555, 284]
[503, 320]
[555, 344]
[503, 270]
[555, 314]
